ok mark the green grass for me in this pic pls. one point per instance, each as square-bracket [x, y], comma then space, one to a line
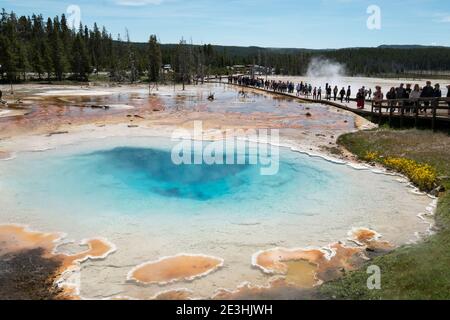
[420, 271]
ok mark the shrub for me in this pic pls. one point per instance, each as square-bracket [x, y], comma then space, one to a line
[423, 176]
[371, 156]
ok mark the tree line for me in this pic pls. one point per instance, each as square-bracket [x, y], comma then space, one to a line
[48, 49]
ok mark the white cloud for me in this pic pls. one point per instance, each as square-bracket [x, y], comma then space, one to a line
[443, 17]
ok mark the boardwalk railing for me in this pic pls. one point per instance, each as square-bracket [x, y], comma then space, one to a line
[434, 108]
[428, 109]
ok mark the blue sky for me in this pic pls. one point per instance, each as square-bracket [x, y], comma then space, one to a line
[268, 23]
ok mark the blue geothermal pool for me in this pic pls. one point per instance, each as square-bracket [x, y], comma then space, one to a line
[145, 180]
[129, 191]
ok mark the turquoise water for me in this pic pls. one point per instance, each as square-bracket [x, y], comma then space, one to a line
[143, 180]
[151, 172]
[96, 187]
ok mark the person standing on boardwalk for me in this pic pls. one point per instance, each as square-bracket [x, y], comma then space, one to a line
[377, 97]
[414, 96]
[427, 93]
[1, 98]
[349, 93]
[360, 98]
[408, 91]
[391, 96]
[319, 94]
[416, 93]
[342, 94]
[329, 93]
[369, 93]
[400, 94]
[437, 91]
[406, 96]
[437, 94]
[315, 93]
[400, 91]
[448, 98]
[335, 92]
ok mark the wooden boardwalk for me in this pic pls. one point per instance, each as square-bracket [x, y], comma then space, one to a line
[411, 111]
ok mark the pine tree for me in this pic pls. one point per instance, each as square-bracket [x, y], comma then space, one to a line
[7, 61]
[131, 54]
[60, 64]
[80, 60]
[22, 60]
[183, 63]
[47, 61]
[154, 59]
[35, 54]
[37, 61]
[117, 59]
[66, 36]
[96, 47]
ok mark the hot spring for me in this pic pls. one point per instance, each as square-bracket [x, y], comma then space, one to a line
[130, 192]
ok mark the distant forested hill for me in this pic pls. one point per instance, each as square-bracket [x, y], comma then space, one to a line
[46, 48]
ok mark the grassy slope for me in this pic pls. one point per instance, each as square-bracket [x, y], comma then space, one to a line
[412, 272]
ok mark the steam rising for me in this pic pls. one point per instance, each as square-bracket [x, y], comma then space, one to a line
[320, 67]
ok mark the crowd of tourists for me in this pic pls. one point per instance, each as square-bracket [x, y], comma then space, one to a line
[403, 95]
[411, 98]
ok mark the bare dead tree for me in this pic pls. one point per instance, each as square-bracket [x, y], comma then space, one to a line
[131, 58]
